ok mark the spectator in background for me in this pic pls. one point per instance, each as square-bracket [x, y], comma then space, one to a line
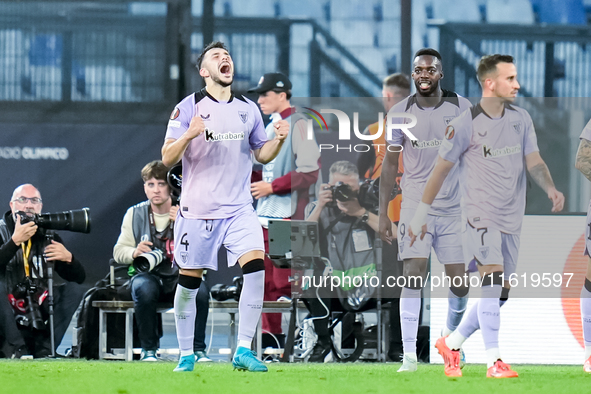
[287, 183]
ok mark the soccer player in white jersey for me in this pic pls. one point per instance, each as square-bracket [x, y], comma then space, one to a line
[215, 133]
[434, 109]
[494, 142]
[583, 164]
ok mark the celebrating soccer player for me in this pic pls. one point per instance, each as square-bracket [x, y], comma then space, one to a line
[583, 164]
[214, 133]
[494, 142]
[434, 108]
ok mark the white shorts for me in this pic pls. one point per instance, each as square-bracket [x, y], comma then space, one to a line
[444, 235]
[197, 241]
[490, 246]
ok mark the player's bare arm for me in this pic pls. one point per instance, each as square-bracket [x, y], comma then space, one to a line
[540, 173]
[174, 149]
[583, 161]
[271, 148]
[418, 224]
[387, 181]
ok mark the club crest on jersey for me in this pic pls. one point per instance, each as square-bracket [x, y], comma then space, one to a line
[449, 132]
[212, 136]
[447, 119]
[484, 251]
[243, 116]
[184, 256]
[516, 127]
[175, 114]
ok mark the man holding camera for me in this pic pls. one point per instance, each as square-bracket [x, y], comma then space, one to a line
[146, 244]
[346, 233]
[26, 249]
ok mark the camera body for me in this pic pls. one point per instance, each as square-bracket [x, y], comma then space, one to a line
[221, 292]
[341, 192]
[29, 314]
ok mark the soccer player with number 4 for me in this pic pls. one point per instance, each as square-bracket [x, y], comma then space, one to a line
[495, 142]
[215, 133]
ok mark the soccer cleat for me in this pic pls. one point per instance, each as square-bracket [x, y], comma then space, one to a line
[587, 365]
[408, 364]
[186, 364]
[148, 355]
[501, 370]
[201, 357]
[245, 360]
[462, 358]
[451, 358]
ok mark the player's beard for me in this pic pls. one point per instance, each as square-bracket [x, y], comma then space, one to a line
[433, 88]
[223, 84]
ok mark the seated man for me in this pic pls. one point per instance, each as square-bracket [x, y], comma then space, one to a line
[346, 234]
[147, 228]
[25, 251]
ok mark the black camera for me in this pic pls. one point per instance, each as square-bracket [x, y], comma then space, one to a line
[342, 192]
[76, 220]
[369, 194]
[221, 292]
[32, 318]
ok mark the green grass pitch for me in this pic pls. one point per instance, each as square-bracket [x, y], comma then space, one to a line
[117, 377]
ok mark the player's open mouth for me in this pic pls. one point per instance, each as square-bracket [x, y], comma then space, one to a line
[425, 85]
[226, 69]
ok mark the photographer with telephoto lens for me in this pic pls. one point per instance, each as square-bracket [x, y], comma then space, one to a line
[146, 245]
[347, 224]
[27, 246]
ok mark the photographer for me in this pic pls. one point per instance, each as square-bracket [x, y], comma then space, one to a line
[146, 245]
[25, 249]
[346, 234]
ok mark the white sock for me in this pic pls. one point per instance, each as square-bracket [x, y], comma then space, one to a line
[250, 306]
[455, 340]
[410, 308]
[492, 355]
[586, 320]
[185, 311]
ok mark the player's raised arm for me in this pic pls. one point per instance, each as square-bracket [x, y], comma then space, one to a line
[387, 181]
[173, 149]
[540, 173]
[418, 224]
[272, 147]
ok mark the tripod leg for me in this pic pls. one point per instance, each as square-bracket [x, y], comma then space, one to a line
[289, 342]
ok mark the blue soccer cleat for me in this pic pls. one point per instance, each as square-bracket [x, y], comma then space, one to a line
[245, 360]
[186, 364]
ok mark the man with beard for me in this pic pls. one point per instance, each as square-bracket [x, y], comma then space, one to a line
[434, 108]
[215, 133]
[494, 142]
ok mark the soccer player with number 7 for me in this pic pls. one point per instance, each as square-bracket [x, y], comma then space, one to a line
[495, 142]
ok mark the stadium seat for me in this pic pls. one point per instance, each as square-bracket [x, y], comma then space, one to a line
[509, 11]
[457, 11]
[565, 12]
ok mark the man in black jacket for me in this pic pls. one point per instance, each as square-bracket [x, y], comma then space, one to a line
[25, 251]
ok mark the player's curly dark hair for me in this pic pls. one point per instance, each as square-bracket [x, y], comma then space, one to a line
[210, 46]
[428, 51]
[489, 63]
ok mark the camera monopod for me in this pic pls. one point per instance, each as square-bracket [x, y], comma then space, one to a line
[49, 238]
